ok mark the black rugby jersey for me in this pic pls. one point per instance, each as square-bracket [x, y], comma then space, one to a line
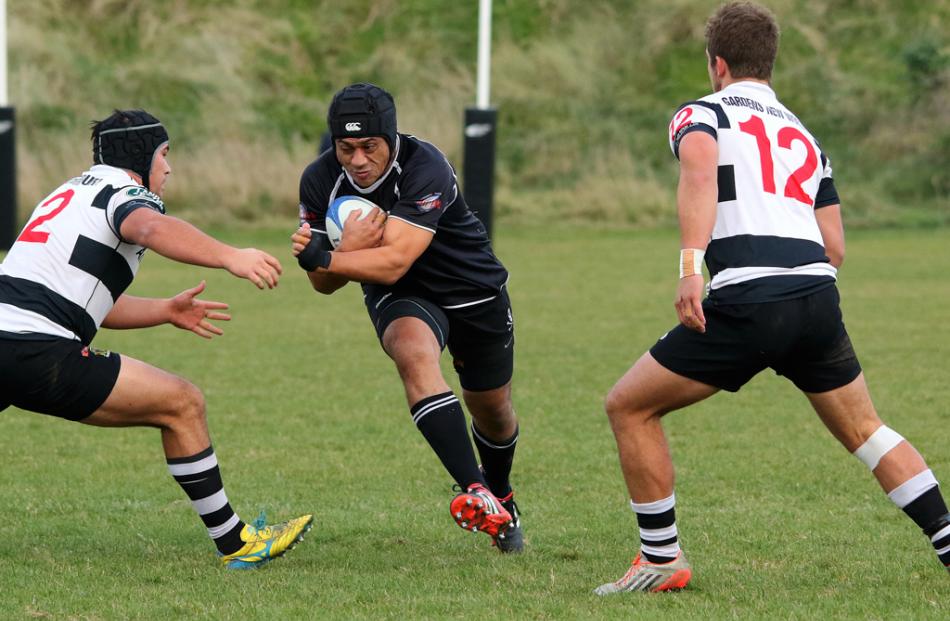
[419, 187]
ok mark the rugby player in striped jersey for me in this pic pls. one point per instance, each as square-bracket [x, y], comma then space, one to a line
[756, 199]
[66, 276]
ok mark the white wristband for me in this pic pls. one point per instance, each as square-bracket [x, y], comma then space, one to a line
[691, 262]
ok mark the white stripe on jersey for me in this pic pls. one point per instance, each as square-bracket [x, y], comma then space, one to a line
[736, 275]
[21, 321]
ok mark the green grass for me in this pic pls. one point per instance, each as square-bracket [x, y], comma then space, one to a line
[307, 415]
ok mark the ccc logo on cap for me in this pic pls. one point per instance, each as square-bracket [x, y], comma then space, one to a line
[353, 127]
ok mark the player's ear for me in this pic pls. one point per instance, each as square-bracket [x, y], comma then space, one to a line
[721, 66]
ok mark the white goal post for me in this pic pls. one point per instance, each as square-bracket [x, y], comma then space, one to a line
[478, 172]
[8, 209]
[4, 100]
[483, 84]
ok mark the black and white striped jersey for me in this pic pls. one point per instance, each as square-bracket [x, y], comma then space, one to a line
[459, 267]
[765, 245]
[69, 265]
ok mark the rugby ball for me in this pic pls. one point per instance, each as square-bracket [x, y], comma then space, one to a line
[340, 210]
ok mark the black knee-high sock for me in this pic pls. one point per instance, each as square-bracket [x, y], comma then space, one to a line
[442, 423]
[199, 476]
[497, 458]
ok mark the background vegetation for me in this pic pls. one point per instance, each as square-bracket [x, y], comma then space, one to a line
[585, 90]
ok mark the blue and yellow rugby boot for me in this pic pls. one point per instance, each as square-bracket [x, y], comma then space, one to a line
[263, 543]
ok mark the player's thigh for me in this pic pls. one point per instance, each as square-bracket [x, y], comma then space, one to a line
[57, 377]
[411, 330]
[410, 342]
[649, 388]
[146, 395]
[847, 412]
[482, 344]
[386, 308]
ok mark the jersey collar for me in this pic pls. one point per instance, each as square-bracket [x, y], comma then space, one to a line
[104, 170]
[756, 86]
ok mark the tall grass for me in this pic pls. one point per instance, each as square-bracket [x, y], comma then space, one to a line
[585, 90]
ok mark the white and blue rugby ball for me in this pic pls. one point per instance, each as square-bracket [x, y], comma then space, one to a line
[340, 210]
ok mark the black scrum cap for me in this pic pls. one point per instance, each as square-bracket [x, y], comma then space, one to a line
[128, 139]
[361, 110]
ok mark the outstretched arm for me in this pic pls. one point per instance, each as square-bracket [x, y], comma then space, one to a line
[181, 241]
[183, 311]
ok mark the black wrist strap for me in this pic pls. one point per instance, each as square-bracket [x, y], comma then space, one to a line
[313, 257]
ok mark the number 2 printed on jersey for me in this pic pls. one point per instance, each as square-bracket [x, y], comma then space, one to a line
[30, 234]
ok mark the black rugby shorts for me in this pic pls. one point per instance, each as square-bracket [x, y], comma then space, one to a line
[58, 377]
[803, 339]
[480, 337]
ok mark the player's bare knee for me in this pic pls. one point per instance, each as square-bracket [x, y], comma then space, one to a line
[500, 413]
[188, 405]
[617, 406]
[853, 433]
[413, 356]
[622, 409]
[497, 419]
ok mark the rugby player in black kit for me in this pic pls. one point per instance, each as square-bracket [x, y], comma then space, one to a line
[430, 280]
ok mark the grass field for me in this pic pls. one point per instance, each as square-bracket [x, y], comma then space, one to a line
[307, 415]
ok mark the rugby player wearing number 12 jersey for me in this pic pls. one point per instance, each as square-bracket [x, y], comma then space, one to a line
[756, 197]
[66, 276]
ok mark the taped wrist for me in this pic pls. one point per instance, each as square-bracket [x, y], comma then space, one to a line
[691, 262]
[313, 256]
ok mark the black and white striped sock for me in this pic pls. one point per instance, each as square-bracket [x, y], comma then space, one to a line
[657, 522]
[442, 422]
[920, 498]
[199, 476]
[939, 533]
